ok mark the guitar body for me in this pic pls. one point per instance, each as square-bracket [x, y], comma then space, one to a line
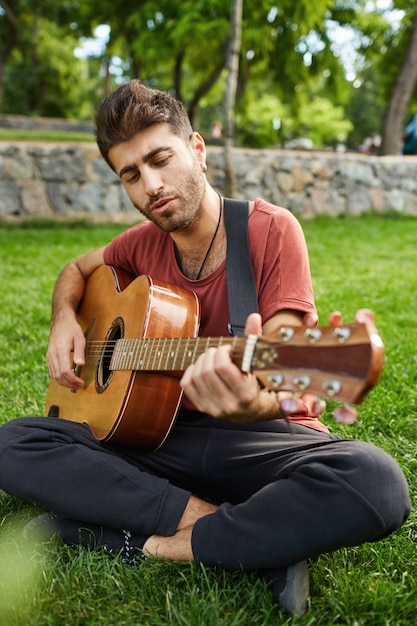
[125, 407]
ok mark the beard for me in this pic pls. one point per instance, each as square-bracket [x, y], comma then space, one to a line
[188, 193]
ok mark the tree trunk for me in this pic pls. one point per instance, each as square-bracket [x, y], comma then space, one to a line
[202, 90]
[232, 64]
[400, 97]
[8, 44]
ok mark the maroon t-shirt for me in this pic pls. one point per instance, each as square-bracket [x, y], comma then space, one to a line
[280, 264]
[279, 258]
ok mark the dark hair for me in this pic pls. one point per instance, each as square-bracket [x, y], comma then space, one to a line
[132, 108]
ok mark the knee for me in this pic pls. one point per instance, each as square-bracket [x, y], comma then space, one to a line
[14, 429]
[381, 483]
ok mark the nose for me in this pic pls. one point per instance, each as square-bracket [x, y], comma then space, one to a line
[152, 182]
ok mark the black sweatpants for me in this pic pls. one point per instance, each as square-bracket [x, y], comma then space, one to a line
[285, 492]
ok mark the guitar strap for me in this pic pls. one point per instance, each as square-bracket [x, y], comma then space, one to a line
[241, 290]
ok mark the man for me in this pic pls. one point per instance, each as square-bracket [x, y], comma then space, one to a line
[233, 484]
[410, 137]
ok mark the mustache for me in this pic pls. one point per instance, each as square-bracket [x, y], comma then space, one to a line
[156, 199]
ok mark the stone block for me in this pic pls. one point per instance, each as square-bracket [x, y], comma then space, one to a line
[302, 178]
[67, 165]
[35, 200]
[10, 203]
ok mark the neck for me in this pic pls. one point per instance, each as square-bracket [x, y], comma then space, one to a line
[199, 250]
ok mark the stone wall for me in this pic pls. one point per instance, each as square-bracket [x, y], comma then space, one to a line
[71, 179]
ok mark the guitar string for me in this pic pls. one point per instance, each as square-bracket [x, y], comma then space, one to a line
[152, 349]
[112, 342]
[97, 347]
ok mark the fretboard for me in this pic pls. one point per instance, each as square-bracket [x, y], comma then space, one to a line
[165, 353]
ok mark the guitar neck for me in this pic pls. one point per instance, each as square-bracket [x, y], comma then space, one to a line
[172, 354]
[342, 362]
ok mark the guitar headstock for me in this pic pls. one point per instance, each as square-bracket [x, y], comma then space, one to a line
[340, 362]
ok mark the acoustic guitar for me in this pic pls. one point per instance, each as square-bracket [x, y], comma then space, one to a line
[141, 335]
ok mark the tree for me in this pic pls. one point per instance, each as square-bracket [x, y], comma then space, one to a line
[401, 94]
[38, 71]
[162, 41]
[286, 59]
[8, 38]
[232, 64]
[53, 88]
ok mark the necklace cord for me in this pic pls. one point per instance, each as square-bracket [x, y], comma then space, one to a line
[212, 239]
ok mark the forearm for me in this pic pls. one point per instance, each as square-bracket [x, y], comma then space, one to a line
[68, 292]
[69, 288]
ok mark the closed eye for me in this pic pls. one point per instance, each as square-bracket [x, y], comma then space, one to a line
[161, 161]
[132, 177]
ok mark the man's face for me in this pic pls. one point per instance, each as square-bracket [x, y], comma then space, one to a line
[162, 175]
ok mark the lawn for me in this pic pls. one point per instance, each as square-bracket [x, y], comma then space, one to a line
[23, 134]
[356, 262]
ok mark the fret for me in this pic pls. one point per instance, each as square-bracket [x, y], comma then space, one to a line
[184, 362]
[146, 346]
[136, 353]
[162, 353]
[130, 353]
[155, 353]
[172, 354]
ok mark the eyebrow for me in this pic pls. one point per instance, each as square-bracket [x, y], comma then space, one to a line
[148, 157]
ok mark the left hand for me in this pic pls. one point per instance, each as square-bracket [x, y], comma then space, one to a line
[215, 385]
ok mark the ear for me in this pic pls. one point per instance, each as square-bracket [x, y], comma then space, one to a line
[199, 148]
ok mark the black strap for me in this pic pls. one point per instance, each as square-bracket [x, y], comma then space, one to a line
[241, 290]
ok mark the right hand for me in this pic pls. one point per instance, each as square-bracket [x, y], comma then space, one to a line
[66, 337]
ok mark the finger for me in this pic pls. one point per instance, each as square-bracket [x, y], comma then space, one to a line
[195, 380]
[366, 316]
[79, 349]
[310, 320]
[71, 381]
[335, 318]
[60, 370]
[253, 324]
[345, 414]
[318, 408]
[292, 406]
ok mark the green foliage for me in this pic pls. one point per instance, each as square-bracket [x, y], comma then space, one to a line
[356, 262]
[261, 122]
[286, 53]
[266, 121]
[324, 122]
[53, 87]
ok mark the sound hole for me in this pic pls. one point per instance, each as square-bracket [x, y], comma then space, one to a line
[103, 373]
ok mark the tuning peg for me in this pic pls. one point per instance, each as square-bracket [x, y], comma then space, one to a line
[345, 414]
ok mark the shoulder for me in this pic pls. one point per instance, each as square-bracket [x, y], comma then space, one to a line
[134, 244]
[264, 214]
[144, 231]
[261, 207]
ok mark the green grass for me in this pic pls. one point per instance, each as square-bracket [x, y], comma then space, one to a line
[356, 262]
[21, 134]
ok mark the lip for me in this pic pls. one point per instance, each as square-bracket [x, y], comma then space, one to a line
[162, 205]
